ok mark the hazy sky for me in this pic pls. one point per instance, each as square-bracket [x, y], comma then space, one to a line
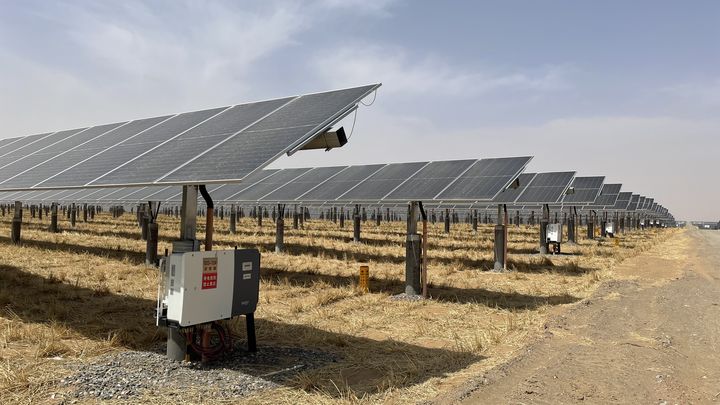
[626, 89]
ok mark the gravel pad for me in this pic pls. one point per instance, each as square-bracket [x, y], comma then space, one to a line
[130, 374]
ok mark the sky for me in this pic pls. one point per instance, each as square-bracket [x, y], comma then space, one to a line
[629, 90]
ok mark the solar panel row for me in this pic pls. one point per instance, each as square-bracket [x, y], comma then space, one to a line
[586, 190]
[201, 147]
[392, 182]
[546, 188]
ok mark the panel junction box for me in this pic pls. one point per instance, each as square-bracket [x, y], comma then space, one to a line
[202, 287]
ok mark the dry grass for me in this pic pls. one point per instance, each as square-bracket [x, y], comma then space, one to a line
[71, 296]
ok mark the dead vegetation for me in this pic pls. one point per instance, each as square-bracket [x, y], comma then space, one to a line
[69, 297]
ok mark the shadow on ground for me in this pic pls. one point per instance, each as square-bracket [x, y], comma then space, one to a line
[130, 322]
[489, 298]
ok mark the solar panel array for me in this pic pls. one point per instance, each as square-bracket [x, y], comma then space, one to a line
[511, 194]
[485, 179]
[546, 188]
[202, 147]
[365, 183]
[586, 190]
[226, 148]
[623, 201]
[608, 195]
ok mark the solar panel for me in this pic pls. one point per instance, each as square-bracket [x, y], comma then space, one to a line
[511, 194]
[6, 142]
[339, 184]
[546, 188]
[269, 138]
[58, 163]
[608, 196]
[164, 194]
[269, 184]
[586, 190]
[611, 189]
[623, 201]
[31, 150]
[229, 190]
[199, 147]
[633, 202]
[37, 158]
[430, 180]
[301, 185]
[382, 182]
[21, 143]
[158, 162]
[133, 145]
[485, 179]
[113, 195]
[44, 196]
[648, 203]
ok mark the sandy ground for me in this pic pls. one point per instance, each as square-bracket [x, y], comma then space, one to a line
[650, 336]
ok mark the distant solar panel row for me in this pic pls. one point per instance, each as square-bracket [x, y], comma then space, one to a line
[546, 188]
[586, 190]
[461, 180]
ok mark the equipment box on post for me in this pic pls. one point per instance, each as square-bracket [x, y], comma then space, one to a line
[553, 236]
[202, 287]
[610, 228]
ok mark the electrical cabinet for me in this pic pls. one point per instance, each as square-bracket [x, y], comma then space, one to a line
[201, 287]
[554, 233]
[610, 228]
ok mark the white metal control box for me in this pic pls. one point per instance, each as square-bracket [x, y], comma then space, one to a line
[201, 287]
[610, 228]
[553, 233]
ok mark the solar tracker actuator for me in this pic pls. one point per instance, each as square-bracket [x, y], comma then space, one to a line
[203, 287]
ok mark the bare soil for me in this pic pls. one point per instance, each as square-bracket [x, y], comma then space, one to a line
[649, 335]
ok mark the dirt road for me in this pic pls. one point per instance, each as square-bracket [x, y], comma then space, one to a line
[651, 337]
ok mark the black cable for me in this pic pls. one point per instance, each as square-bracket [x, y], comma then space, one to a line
[206, 196]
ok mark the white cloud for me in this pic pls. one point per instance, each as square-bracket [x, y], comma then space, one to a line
[134, 59]
[373, 7]
[707, 92]
[429, 74]
[198, 45]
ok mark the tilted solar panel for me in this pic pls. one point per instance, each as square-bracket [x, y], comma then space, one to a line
[485, 179]
[269, 138]
[341, 183]
[382, 182]
[648, 203]
[509, 195]
[304, 183]
[266, 186]
[609, 189]
[608, 196]
[546, 188]
[430, 180]
[202, 147]
[633, 202]
[623, 201]
[586, 190]
[129, 146]
[61, 163]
